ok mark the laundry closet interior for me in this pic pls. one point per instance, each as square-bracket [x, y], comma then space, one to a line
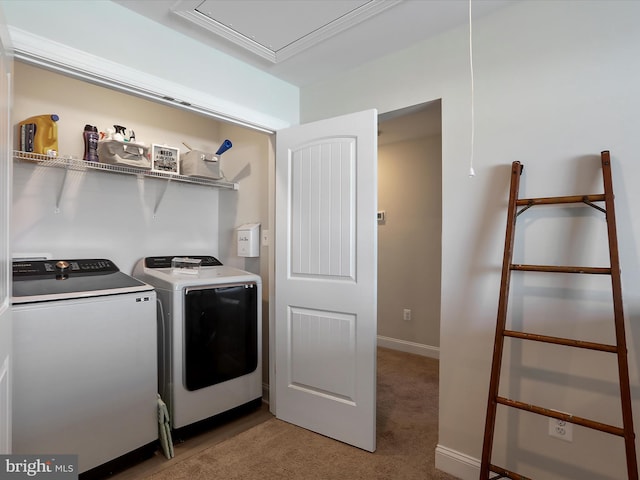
[125, 217]
[88, 213]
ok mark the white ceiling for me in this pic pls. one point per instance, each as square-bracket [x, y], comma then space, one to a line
[305, 41]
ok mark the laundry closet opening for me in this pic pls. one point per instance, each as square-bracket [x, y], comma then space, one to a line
[410, 228]
[78, 213]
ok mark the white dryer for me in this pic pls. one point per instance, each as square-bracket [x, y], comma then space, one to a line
[210, 354]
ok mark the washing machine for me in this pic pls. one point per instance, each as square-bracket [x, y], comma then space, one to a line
[210, 353]
[84, 362]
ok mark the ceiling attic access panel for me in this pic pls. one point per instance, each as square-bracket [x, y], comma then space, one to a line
[279, 29]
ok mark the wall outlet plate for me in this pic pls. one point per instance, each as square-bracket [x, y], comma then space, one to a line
[561, 429]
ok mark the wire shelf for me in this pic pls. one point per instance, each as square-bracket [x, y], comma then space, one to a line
[72, 163]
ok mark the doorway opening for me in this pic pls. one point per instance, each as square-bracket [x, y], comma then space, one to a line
[410, 228]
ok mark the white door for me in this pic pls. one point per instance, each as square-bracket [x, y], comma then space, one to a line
[326, 277]
[5, 257]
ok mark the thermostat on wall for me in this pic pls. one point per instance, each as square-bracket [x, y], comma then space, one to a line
[249, 240]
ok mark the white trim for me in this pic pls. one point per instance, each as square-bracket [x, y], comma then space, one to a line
[61, 58]
[208, 23]
[409, 347]
[271, 270]
[457, 464]
[5, 407]
[6, 169]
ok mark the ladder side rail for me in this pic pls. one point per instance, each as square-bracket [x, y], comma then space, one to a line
[498, 347]
[623, 367]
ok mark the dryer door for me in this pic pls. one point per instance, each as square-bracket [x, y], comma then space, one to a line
[221, 334]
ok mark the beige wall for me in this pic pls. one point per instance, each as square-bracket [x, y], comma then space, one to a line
[409, 247]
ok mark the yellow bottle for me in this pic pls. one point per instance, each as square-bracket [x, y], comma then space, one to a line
[39, 134]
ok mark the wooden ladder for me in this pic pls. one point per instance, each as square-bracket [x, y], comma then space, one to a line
[620, 348]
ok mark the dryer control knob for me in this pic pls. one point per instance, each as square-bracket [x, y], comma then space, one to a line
[62, 265]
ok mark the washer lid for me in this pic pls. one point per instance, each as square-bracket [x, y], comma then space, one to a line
[46, 280]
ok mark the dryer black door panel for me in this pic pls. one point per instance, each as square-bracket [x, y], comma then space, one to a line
[221, 334]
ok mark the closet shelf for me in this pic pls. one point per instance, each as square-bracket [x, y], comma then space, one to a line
[72, 163]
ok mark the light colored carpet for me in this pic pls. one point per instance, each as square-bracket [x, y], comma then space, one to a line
[407, 429]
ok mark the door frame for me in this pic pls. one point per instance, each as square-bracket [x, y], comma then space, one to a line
[6, 166]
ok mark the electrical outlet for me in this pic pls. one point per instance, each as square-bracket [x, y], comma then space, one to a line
[561, 429]
[406, 315]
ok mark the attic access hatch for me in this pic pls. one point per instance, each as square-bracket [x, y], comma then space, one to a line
[278, 29]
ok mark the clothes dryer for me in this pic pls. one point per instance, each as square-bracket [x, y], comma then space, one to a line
[210, 354]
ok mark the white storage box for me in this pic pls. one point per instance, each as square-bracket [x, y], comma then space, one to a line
[127, 154]
[196, 163]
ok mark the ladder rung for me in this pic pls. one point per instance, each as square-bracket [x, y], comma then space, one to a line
[561, 269]
[585, 422]
[504, 473]
[555, 200]
[601, 347]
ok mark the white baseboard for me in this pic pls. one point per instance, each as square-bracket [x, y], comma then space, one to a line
[458, 464]
[409, 347]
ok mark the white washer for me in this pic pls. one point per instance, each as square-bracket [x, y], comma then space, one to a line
[210, 342]
[85, 362]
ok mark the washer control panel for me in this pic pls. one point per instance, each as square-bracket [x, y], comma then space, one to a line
[45, 268]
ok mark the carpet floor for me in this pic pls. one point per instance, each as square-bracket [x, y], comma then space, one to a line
[407, 430]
